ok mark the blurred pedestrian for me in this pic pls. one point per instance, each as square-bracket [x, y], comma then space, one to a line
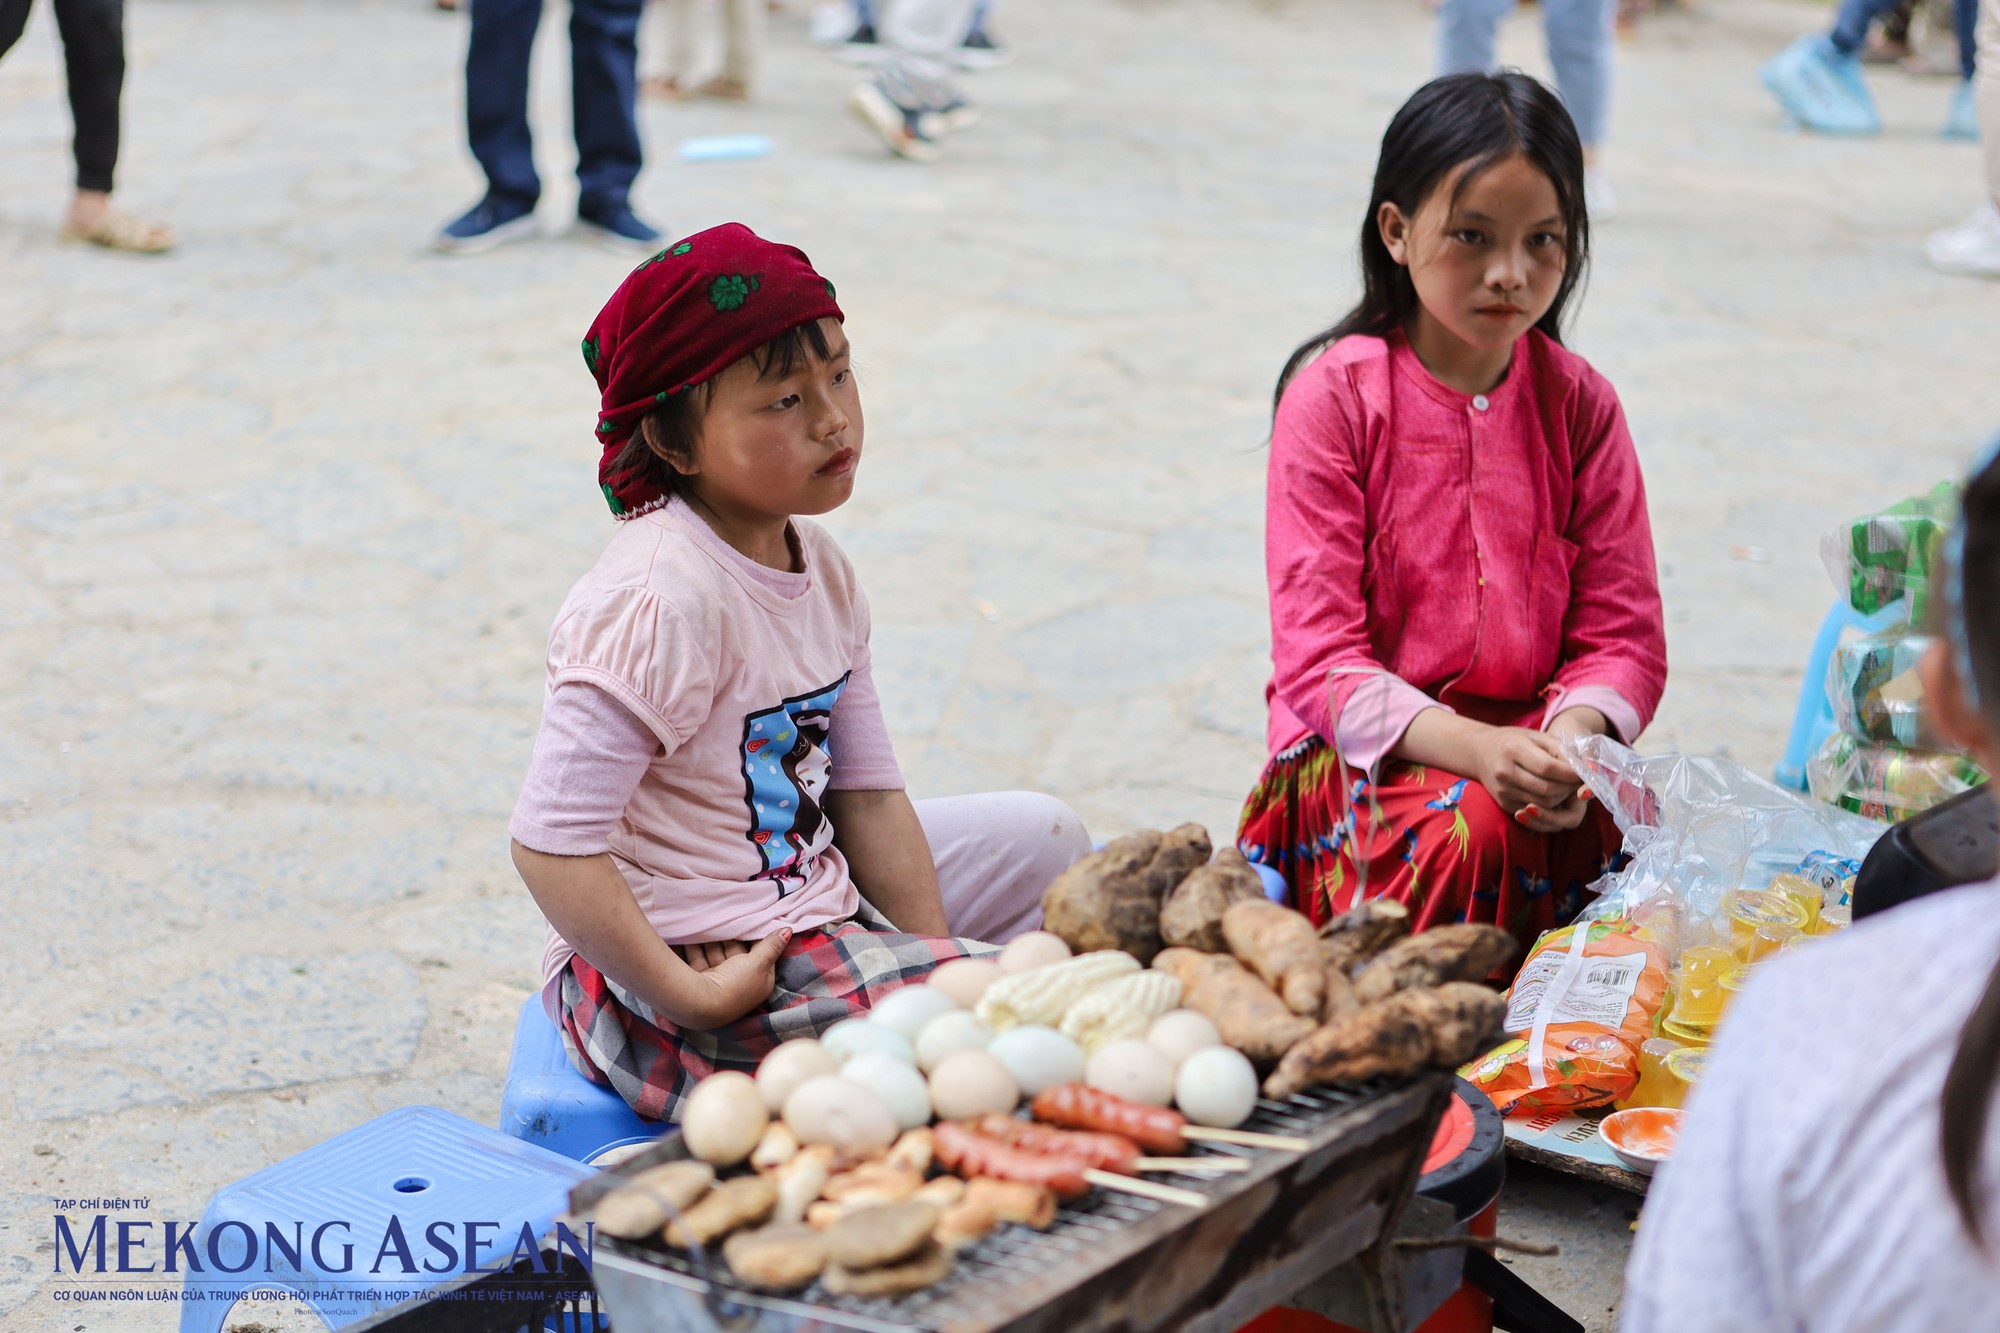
[93, 38]
[604, 58]
[913, 102]
[1580, 35]
[742, 52]
[1974, 245]
[1817, 79]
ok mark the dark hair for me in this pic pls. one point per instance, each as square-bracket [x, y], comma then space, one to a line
[1470, 120]
[670, 431]
[1974, 632]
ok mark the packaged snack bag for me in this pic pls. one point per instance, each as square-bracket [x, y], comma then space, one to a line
[1581, 1006]
[1880, 558]
[1875, 690]
[1887, 782]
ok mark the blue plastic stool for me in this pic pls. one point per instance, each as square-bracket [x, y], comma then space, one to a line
[549, 1104]
[1812, 720]
[1275, 887]
[413, 1167]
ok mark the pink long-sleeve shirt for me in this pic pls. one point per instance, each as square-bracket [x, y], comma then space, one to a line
[1487, 553]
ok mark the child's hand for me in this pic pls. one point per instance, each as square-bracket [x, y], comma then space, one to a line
[730, 979]
[1523, 768]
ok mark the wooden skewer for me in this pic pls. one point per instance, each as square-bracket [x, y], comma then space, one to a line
[1148, 1188]
[1245, 1138]
[1225, 1165]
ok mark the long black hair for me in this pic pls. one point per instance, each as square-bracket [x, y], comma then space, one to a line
[1469, 120]
[1973, 612]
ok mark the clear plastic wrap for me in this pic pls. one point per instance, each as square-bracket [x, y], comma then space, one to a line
[1697, 828]
[1887, 781]
[1883, 557]
[1875, 691]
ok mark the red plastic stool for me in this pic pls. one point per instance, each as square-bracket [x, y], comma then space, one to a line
[1465, 1168]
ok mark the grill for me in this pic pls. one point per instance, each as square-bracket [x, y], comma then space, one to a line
[1110, 1261]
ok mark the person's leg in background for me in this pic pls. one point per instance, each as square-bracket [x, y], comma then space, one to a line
[93, 38]
[742, 49]
[676, 77]
[1817, 79]
[1465, 30]
[1973, 247]
[1582, 35]
[604, 84]
[913, 101]
[1962, 121]
[496, 126]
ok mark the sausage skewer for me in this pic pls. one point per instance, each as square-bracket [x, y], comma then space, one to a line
[1154, 1128]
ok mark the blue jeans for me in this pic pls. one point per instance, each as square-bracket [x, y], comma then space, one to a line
[1580, 41]
[1850, 27]
[604, 57]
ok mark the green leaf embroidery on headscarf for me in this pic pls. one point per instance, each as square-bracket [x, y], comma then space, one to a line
[731, 291]
[829, 293]
[682, 248]
[590, 354]
[611, 498]
[660, 397]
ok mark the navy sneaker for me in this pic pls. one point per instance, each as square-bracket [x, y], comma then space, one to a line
[979, 51]
[862, 47]
[616, 227]
[493, 221]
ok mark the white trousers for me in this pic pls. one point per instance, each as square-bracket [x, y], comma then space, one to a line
[995, 853]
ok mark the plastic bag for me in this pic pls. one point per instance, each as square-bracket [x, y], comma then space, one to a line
[1887, 781]
[1696, 828]
[1880, 558]
[1582, 1003]
[1875, 691]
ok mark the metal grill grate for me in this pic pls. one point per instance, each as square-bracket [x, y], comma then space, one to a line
[1012, 1254]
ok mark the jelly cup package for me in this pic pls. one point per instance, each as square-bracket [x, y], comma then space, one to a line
[1581, 1006]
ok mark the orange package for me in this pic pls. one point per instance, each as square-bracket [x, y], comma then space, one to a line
[1581, 1005]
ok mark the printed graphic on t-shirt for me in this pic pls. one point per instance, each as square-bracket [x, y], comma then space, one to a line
[787, 760]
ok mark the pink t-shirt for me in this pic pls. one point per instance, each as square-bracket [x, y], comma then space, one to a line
[1488, 553]
[738, 673]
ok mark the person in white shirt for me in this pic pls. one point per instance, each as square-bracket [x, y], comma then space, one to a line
[1840, 1165]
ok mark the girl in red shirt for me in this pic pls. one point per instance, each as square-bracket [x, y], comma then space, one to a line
[1461, 567]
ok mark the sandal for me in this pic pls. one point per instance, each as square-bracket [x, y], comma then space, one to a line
[118, 230]
[725, 89]
[664, 88]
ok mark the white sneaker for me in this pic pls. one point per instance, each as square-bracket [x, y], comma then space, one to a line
[1973, 246]
[1600, 201]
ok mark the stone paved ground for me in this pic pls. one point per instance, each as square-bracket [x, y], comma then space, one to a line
[283, 517]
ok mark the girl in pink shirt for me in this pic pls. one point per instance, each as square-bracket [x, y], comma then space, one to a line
[714, 823]
[1460, 563]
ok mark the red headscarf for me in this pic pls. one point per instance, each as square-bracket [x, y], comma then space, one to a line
[682, 317]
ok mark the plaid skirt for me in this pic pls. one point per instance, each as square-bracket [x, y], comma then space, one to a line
[829, 973]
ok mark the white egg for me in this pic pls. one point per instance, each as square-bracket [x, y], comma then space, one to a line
[1038, 1057]
[1179, 1033]
[857, 1036]
[966, 979]
[969, 1083]
[1216, 1086]
[1035, 949]
[947, 1034]
[723, 1118]
[1133, 1070]
[791, 1064]
[895, 1082]
[907, 1010]
[846, 1115]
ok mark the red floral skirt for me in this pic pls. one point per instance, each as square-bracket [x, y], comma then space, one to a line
[1422, 836]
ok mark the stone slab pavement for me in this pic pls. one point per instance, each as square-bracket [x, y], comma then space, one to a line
[284, 516]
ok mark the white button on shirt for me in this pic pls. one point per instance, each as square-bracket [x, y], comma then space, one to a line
[1480, 403]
